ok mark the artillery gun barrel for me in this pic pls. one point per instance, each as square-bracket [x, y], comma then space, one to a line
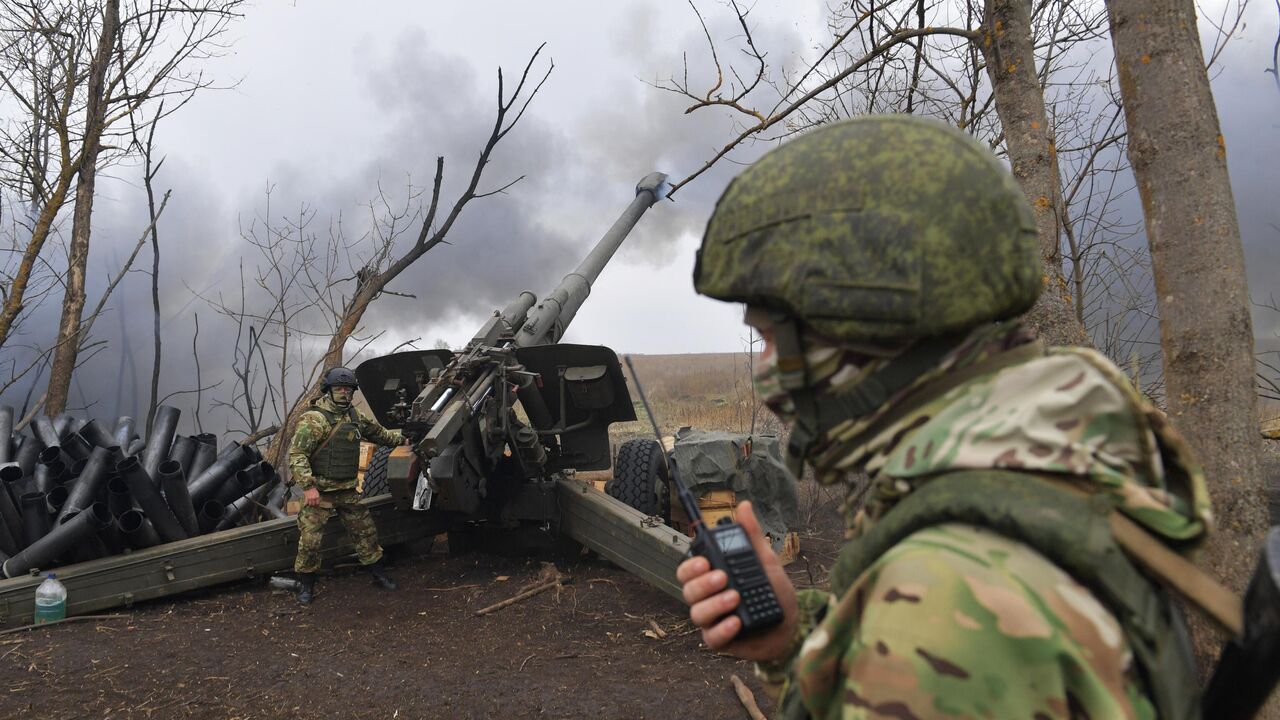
[516, 312]
[546, 323]
[455, 395]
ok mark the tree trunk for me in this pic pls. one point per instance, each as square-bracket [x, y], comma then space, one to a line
[157, 346]
[352, 314]
[1010, 60]
[1179, 160]
[67, 349]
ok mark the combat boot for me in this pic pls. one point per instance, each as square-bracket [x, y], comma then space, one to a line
[308, 590]
[380, 577]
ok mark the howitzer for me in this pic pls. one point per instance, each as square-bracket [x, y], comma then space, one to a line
[494, 423]
[495, 426]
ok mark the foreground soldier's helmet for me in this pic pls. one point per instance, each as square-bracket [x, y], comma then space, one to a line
[338, 376]
[877, 229]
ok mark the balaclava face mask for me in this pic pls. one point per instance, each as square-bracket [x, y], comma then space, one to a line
[826, 365]
[342, 395]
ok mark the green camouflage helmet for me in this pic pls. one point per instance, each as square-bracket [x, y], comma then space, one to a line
[881, 228]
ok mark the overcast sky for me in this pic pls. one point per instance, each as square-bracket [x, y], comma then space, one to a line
[332, 99]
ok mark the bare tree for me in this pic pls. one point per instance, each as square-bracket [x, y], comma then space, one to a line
[149, 171]
[1179, 158]
[312, 290]
[38, 69]
[1019, 99]
[269, 310]
[77, 71]
[931, 59]
[876, 62]
[1268, 361]
[372, 278]
[95, 120]
[42, 357]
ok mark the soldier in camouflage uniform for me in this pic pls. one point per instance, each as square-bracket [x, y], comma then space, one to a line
[324, 458]
[884, 260]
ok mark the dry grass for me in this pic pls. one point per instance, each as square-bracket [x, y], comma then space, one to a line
[713, 392]
[1268, 410]
[707, 391]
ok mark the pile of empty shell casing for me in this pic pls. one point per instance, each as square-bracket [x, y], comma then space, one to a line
[72, 491]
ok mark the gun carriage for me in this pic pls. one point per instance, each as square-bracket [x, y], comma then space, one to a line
[496, 426]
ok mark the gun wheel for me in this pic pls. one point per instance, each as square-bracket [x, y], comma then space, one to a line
[375, 475]
[638, 472]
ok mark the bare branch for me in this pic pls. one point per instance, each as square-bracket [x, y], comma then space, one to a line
[778, 116]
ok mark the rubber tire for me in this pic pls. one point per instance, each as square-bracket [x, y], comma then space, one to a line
[375, 475]
[637, 473]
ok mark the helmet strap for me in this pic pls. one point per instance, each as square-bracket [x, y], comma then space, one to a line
[804, 432]
[789, 347]
[818, 412]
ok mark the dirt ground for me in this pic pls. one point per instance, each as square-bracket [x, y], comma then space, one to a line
[247, 651]
[250, 652]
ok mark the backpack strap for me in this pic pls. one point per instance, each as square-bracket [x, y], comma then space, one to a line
[335, 426]
[1173, 571]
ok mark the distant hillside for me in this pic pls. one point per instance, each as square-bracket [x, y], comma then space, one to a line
[709, 391]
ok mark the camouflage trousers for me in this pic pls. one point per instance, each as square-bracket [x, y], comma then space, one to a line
[355, 518]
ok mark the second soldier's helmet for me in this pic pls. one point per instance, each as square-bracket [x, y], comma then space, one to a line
[875, 230]
[338, 376]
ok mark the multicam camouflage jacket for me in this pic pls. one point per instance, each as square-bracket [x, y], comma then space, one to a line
[314, 427]
[956, 620]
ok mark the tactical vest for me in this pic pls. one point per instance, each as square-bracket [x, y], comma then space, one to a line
[337, 458]
[1074, 532]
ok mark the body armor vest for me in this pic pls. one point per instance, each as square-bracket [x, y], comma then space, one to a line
[1072, 532]
[338, 456]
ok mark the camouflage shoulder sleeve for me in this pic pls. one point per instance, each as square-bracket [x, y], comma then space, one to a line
[311, 431]
[958, 621]
[373, 432]
[813, 605]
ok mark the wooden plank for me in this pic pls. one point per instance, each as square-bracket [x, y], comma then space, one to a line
[639, 544]
[177, 567]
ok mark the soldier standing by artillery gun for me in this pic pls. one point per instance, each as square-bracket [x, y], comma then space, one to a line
[324, 459]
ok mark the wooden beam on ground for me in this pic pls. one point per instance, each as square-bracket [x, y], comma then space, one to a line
[176, 567]
[640, 544]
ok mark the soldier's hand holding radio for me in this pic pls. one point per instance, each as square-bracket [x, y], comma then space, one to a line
[711, 605]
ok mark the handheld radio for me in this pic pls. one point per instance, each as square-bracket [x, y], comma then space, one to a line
[725, 546]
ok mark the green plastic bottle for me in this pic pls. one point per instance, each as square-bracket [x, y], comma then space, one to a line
[51, 600]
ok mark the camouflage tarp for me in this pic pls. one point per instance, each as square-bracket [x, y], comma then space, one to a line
[714, 460]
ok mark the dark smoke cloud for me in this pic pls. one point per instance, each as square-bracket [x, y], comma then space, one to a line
[428, 104]
[422, 102]
[1248, 102]
[425, 103]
